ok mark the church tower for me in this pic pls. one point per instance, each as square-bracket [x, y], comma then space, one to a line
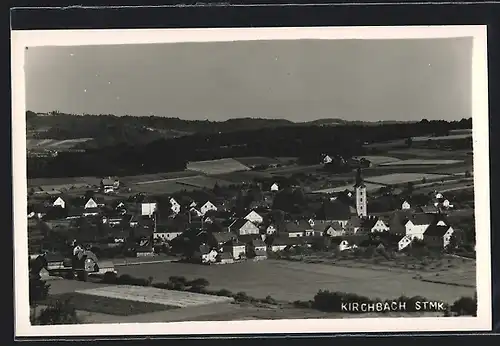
[360, 192]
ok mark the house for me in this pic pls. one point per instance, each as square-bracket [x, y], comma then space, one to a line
[90, 212]
[354, 224]
[107, 185]
[405, 205]
[91, 204]
[283, 243]
[236, 248]
[327, 159]
[206, 207]
[112, 220]
[269, 229]
[175, 206]
[148, 207]
[243, 227]
[275, 187]
[334, 230]
[335, 211]
[145, 250]
[293, 229]
[257, 249]
[254, 217]
[374, 224]
[340, 243]
[218, 239]
[428, 209]
[205, 255]
[167, 232]
[397, 222]
[438, 235]
[404, 242]
[59, 202]
[446, 204]
[224, 258]
[417, 225]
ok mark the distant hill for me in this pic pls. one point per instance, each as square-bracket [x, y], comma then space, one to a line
[106, 129]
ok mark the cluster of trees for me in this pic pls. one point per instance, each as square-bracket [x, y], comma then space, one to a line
[328, 301]
[307, 142]
[55, 312]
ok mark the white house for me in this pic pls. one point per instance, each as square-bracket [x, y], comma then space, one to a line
[148, 208]
[166, 236]
[447, 204]
[404, 242]
[417, 226]
[59, 202]
[237, 249]
[254, 217]
[90, 204]
[275, 187]
[208, 206]
[327, 159]
[439, 195]
[175, 206]
[405, 206]
[344, 245]
[270, 229]
[378, 226]
[243, 227]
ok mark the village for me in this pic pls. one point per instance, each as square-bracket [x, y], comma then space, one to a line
[209, 229]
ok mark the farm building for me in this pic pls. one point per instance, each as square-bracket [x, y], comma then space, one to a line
[438, 235]
[254, 217]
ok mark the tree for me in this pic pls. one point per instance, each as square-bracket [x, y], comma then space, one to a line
[59, 312]
[409, 142]
[468, 174]
[409, 187]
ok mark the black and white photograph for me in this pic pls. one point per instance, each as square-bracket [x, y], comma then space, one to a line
[284, 179]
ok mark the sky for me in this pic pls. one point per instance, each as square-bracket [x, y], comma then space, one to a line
[300, 80]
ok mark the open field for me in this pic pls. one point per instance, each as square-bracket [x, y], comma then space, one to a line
[419, 162]
[54, 143]
[257, 160]
[369, 187]
[217, 166]
[203, 182]
[377, 160]
[134, 179]
[442, 138]
[293, 169]
[243, 177]
[290, 281]
[63, 181]
[162, 187]
[401, 178]
[106, 305]
[409, 153]
[165, 297]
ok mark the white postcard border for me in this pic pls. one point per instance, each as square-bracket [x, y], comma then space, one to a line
[22, 39]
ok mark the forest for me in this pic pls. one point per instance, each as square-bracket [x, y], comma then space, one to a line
[305, 141]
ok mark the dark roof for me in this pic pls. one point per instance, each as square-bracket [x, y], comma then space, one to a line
[260, 252]
[288, 241]
[107, 181]
[423, 219]
[334, 210]
[428, 209]
[248, 238]
[239, 223]
[294, 226]
[223, 237]
[369, 223]
[356, 221]
[436, 231]
[258, 242]
[225, 255]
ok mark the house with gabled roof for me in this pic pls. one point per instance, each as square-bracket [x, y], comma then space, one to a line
[59, 202]
[438, 235]
[354, 225]
[236, 248]
[254, 217]
[373, 225]
[293, 229]
[418, 223]
[243, 227]
[218, 239]
[91, 203]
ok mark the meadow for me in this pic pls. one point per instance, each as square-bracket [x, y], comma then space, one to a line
[217, 166]
[401, 178]
[369, 187]
[419, 162]
[54, 144]
[290, 281]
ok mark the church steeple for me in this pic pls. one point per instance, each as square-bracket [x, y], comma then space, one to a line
[359, 179]
[360, 189]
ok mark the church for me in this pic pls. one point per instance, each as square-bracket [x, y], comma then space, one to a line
[360, 195]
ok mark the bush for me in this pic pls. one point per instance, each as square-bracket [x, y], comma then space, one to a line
[110, 278]
[60, 312]
[465, 306]
[224, 293]
[270, 300]
[303, 304]
[38, 289]
[242, 297]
